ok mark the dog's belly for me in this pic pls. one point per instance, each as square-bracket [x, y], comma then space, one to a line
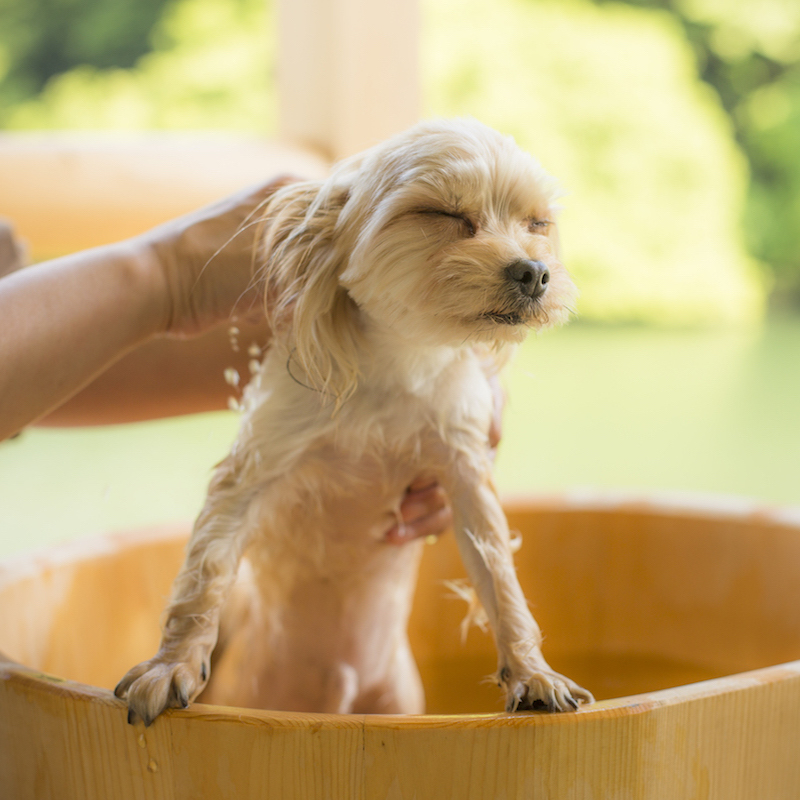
[318, 619]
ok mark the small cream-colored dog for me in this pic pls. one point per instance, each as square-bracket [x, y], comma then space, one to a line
[387, 286]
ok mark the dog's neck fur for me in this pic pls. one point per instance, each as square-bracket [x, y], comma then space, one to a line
[390, 358]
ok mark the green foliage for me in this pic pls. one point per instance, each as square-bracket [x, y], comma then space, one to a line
[42, 38]
[749, 52]
[772, 221]
[610, 102]
[210, 67]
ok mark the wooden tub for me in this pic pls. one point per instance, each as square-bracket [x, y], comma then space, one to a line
[637, 601]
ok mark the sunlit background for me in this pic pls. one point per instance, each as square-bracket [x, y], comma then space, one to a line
[674, 128]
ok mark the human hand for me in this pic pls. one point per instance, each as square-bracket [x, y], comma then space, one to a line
[204, 262]
[424, 511]
[180, 279]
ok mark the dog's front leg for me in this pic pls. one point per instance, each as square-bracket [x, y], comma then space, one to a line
[180, 669]
[484, 543]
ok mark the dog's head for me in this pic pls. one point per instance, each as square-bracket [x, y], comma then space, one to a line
[443, 235]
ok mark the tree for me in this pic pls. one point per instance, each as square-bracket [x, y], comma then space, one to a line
[43, 38]
[749, 53]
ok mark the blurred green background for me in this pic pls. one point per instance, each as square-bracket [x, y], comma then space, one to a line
[674, 128]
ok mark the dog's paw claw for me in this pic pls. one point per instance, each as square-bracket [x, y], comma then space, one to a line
[573, 702]
[543, 690]
[156, 685]
[181, 691]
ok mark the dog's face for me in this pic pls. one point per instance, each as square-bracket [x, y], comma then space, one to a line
[443, 235]
[453, 237]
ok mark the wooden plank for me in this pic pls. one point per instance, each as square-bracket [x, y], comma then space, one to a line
[734, 741]
[732, 738]
[348, 73]
[65, 193]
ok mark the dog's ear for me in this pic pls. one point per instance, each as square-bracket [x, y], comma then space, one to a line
[303, 256]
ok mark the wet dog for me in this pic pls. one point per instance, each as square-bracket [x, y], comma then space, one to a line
[389, 286]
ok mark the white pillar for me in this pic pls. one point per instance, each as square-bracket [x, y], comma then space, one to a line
[348, 73]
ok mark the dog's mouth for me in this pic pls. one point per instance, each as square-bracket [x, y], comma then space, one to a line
[503, 318]
[521, 312]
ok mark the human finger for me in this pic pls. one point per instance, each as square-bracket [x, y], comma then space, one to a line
[434, 524]
[424, 511]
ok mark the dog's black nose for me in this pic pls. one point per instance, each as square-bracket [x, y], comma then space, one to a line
[529, 277]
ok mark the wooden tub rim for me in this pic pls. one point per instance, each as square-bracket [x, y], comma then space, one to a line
[677, 505]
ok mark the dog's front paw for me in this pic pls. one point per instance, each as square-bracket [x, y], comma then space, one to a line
[160, 683]
[541, 689]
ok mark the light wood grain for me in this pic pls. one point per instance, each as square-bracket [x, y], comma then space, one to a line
[348, 72]
[631, 596]
[65, 192]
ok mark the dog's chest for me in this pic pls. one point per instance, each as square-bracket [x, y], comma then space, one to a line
[344, 474]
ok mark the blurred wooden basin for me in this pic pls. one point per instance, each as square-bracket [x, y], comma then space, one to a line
[638, 601]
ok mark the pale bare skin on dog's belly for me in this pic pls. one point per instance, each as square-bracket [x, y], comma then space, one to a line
[318, 618]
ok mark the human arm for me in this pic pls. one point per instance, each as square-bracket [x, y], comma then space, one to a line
[65, 322]
[165, 377]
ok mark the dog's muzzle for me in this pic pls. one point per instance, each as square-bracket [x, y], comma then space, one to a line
[530, 278]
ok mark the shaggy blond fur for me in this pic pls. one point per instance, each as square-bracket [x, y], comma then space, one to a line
[387, 285]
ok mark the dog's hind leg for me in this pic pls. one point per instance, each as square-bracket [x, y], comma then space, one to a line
[341, 685]
[181, 668]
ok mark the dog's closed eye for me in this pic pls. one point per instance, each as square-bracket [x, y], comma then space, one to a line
[540, 226]
[467, 224]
